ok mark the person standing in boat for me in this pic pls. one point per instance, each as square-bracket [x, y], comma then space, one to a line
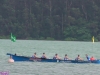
[56, 57]
[44, 56]
[88, 58]
[78, 58]
[34, 56]
[66, 57]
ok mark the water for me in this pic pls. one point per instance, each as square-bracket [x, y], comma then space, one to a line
[28, 47]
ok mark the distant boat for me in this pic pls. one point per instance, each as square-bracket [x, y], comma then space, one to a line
[18, 58]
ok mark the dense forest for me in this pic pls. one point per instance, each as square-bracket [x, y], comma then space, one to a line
[75, 20]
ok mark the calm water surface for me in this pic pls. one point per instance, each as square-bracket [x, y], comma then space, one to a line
[28, 47]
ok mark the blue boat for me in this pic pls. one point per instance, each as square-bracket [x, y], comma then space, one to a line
[26, 58]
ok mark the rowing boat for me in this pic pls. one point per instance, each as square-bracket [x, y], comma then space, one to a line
[26, 58]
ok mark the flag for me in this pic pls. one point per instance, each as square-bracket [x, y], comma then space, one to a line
[93, 39]
[13, 38]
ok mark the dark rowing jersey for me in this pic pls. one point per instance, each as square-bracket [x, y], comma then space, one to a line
[77, 58]
[65, 58]
[43, 57]
[54, 57]
[33, 56]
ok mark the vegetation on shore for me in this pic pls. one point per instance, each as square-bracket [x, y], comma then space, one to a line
[71, 20]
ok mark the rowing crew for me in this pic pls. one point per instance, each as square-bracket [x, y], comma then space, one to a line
[65, 58]
[77, 58]
[43, 56]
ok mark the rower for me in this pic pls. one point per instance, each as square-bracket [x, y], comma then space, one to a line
[88, 58]
[56, 56]
[78, 58]
[34, 56]
[66, 57]
[92, 58]
[44, 56]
